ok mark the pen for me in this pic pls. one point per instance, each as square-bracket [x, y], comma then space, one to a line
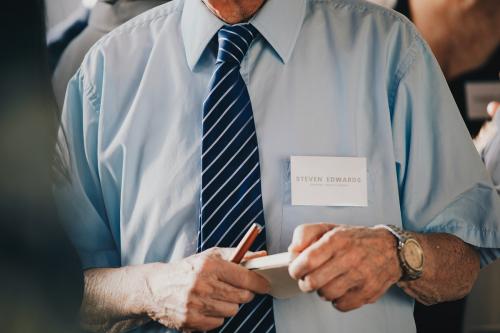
[246, 242]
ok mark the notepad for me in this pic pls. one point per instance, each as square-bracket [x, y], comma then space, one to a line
[274, 268]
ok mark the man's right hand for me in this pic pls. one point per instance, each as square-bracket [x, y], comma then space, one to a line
[197, 293]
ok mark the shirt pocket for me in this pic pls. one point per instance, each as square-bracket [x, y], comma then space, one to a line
[293, 216]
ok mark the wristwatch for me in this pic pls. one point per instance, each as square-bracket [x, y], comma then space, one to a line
[410, 253]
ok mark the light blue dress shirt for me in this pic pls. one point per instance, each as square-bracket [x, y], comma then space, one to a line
[326, 78]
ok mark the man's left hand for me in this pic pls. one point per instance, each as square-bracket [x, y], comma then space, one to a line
[348, 266]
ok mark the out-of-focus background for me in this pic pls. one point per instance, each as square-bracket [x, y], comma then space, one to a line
[59, 10]
[465, 36]
[46, 50]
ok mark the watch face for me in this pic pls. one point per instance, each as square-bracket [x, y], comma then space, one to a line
[413, 254]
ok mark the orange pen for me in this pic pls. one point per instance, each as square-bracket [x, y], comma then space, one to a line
[246, 243]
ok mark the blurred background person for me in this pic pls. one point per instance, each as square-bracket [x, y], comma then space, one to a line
[464, 35]
[104, 17]
[483, 304]
[66, 20]
[40, 280]
[465, 38]
[59, 10]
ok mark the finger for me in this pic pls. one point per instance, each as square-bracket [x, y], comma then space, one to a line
[357, 297]
[203, 323]
[492, 108]
[338, 287]
[254, 255]
[317, 254]
[221, 252]
[227, 293]
[375, 297]
[227, 253]
[306, 234]
[211, 323]
[242, 278]
[195, 322]
[351, 300]
[216, 308]
[322, 276]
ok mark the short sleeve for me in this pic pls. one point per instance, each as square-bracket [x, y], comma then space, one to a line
[78, 194]
[443, 184]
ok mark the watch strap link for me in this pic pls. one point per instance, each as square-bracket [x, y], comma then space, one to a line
[399, 233]
[402, 236]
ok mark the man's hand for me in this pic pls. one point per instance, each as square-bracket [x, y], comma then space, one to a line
[349, 266]
[198, 292]
[195, 293]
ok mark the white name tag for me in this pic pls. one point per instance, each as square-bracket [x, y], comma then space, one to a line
[328, 181]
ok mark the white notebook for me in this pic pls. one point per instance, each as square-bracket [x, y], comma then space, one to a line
[275, 269]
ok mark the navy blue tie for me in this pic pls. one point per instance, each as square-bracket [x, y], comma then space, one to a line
[231, 197]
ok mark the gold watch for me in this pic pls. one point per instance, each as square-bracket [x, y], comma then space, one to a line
[410, 253]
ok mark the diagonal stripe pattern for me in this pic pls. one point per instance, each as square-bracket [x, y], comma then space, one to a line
[231, 198]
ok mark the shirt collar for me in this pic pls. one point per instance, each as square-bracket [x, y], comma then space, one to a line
[278, 21]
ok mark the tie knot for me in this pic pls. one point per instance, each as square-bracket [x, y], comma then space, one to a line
[234, 41]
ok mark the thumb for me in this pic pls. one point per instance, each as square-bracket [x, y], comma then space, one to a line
[224, 253]
[307, 234]
[493, 107]
[253, 255]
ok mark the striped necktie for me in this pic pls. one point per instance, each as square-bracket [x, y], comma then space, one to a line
[231, 198]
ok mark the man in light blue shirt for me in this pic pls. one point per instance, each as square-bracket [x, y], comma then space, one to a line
[325, 78]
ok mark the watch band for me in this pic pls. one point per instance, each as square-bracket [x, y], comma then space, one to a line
[402, 237]
[399, 233]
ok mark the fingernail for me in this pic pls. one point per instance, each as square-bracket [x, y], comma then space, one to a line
[489, 108]
[492, 108]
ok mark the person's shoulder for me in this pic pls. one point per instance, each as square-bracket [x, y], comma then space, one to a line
[363, 10]
[148, 22]
[383, 29]
[133, 39]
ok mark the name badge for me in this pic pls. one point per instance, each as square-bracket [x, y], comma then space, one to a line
[328, 181]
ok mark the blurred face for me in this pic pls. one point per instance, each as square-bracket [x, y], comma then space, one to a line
[234, 11]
